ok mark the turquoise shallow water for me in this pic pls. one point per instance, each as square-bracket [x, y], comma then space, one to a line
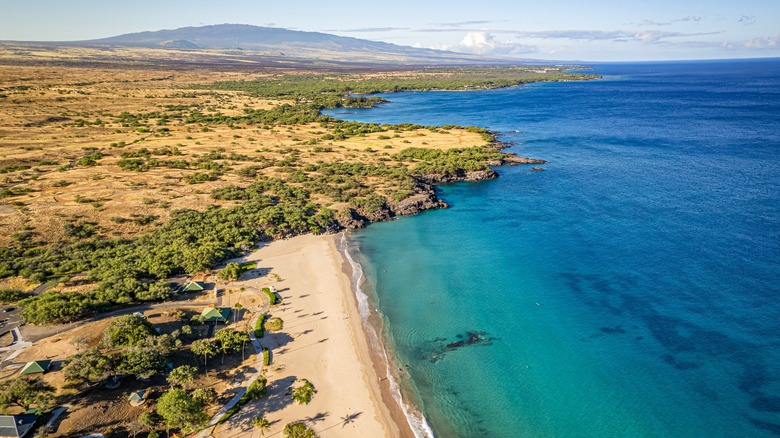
[628, 290]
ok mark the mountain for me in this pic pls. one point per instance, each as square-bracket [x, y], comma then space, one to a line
[288, 43]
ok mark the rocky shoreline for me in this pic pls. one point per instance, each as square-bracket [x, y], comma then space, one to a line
[424, 197]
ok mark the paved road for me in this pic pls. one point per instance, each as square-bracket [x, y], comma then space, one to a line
[9, 320]
[54, 415]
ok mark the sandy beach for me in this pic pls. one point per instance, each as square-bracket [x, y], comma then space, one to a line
[323, 341]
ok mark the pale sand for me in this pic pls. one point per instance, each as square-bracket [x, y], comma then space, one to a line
[323, 341]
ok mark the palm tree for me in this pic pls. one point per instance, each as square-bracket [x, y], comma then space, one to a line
[238, 308]
[204, 347]
[261, 423]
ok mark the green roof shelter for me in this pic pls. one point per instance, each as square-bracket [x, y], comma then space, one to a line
[193, 286]
[219, 314]
[16, 425]
[38, 366]
[137, 396]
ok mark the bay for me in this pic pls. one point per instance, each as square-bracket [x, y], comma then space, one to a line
[630, 289]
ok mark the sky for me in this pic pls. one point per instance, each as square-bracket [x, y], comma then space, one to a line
[583, 30]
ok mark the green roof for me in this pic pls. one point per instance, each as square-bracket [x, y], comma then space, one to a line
[38, 366]
[215, 314]
[193, 286]
[137, 396]
[16, 425]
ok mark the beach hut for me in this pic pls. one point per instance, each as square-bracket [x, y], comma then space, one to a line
[16, 425]
[215, 314]
[35, 367]
[193, 286]
[137, 398]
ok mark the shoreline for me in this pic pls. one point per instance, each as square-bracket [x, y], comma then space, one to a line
[411, 421]
[324, 340]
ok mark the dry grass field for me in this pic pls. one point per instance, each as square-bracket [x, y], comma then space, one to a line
[51, 118]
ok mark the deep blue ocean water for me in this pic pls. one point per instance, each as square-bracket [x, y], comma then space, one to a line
[632, 289]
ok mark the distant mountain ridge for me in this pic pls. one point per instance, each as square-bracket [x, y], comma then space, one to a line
[293, 43]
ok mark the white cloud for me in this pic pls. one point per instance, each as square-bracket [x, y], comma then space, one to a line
[484, 43]
[688, 19]
[645, 36]
[763, 42]
[747, 20]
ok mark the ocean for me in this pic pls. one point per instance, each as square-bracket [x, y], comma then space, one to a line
[631, 289]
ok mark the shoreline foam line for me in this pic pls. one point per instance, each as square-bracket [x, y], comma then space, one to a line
[414, 417]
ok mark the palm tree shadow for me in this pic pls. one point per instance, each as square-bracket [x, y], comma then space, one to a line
[349, 418]
[345, 420]
[320, 416]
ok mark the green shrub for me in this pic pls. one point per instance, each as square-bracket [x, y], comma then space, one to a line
[8, 296]
[298, 430]
[266, 356]
[255, 390]
[90, 159]
[197, 178]
[304, 393]
[271, 296]
[274, 324]
[259, 327]
[230, 412]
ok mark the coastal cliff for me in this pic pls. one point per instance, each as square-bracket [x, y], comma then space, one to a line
[424, 193]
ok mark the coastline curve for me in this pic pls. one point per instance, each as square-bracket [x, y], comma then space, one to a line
[414, 417]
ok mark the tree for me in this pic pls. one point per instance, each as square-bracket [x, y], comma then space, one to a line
[90, 366]
[26, 393]
[181, 411]
[164, 344]
[158, 291]
[128, 330]
[230, 340]
[8, 296]
[204, 347]
[261, 423]
[53, 307]
[206, 396]
[298, 430]
[148, 420]
[304, 393]
[182, 375]
[232, 272]
[141, 362]
[238, 307]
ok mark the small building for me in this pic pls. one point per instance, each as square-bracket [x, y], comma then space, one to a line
[16, 425]
[35, 367]
[215, 314]
[137, 396]
[193, 286]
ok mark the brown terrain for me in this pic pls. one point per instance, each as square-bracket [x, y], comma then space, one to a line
[51, 117]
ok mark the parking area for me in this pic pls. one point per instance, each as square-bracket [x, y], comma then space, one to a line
[9, 319]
